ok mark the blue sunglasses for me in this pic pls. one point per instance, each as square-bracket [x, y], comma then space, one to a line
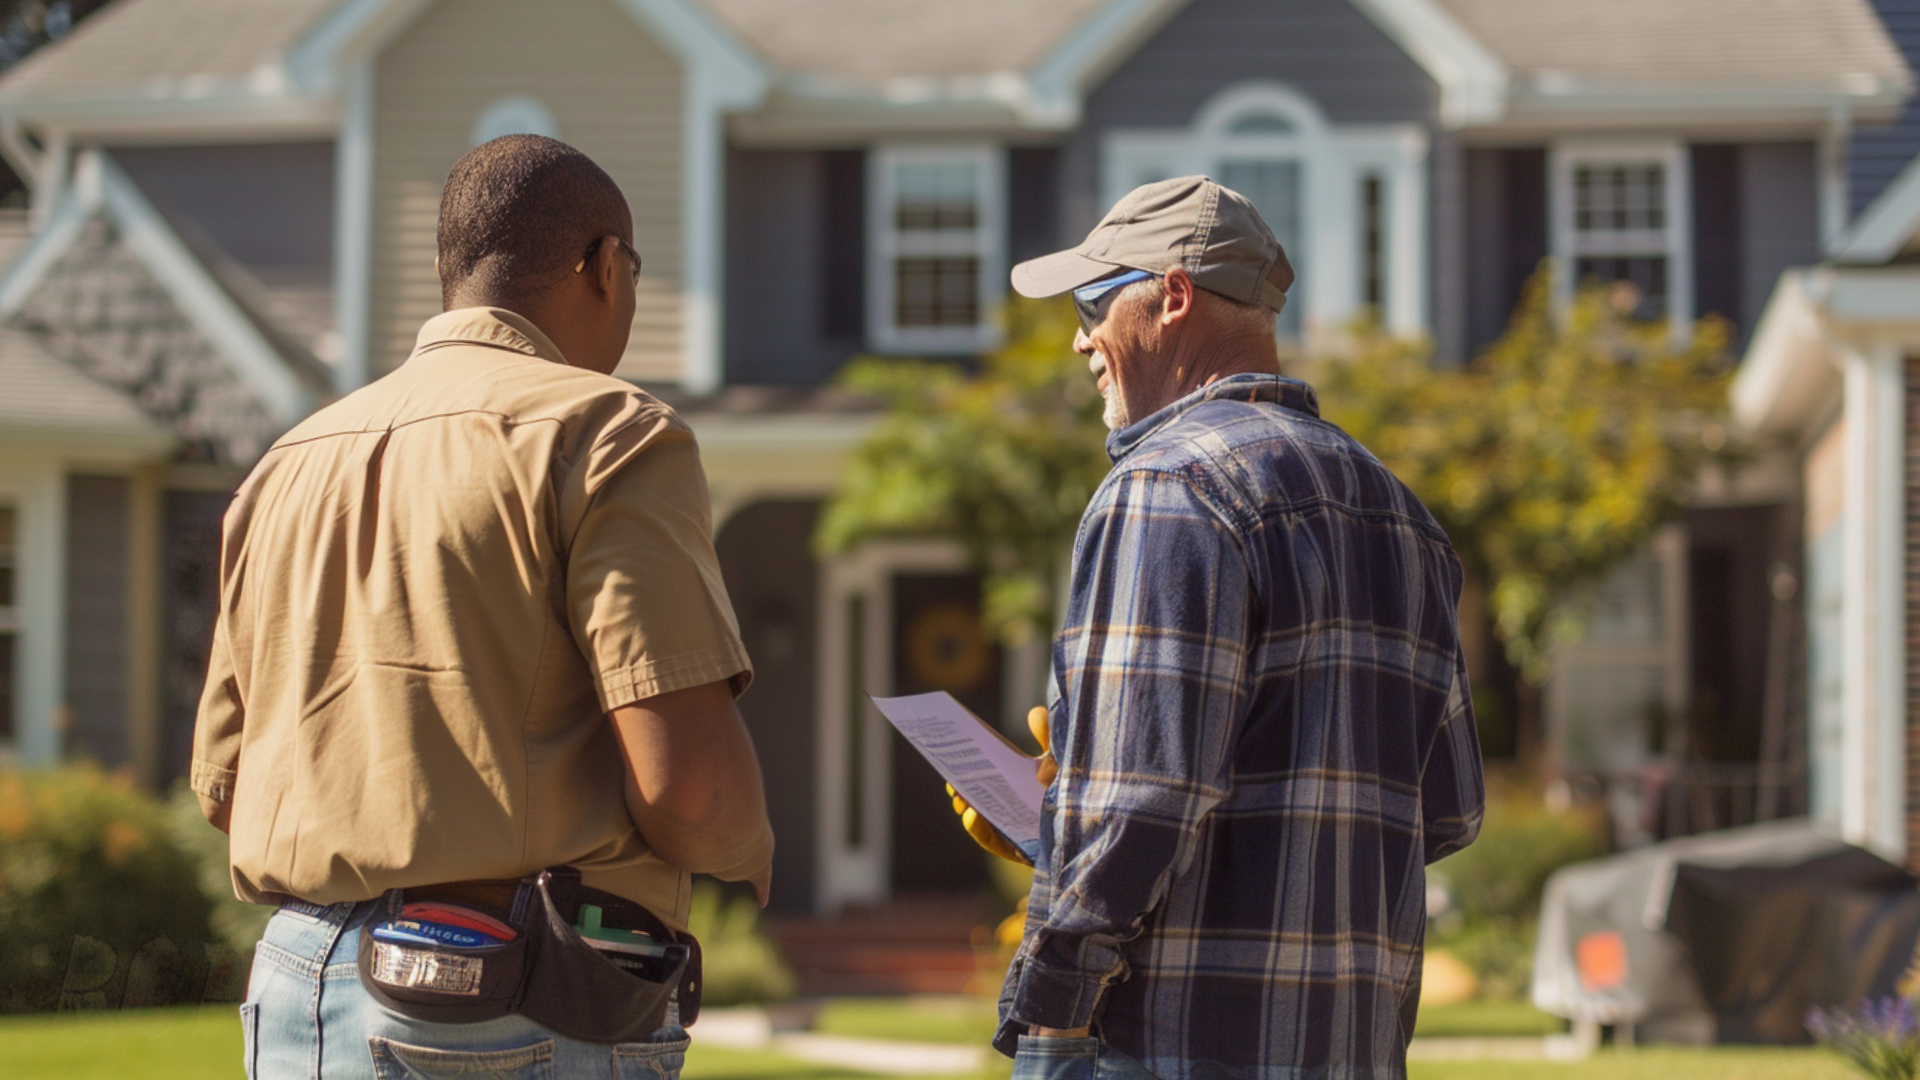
[1090, 302]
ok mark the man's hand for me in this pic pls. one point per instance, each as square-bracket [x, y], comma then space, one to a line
[693, 785]
[1045, 768]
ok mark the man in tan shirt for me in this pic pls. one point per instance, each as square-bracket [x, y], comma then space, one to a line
[472, 626]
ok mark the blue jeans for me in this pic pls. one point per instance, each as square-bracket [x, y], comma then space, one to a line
[1042, 1057]
[307, 1016]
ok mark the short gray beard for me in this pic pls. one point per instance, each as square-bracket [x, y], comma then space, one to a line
[1115, 414]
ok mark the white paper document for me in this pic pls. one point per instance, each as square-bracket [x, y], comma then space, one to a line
[986, 769]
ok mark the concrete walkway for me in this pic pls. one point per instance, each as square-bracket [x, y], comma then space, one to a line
[750, 1029]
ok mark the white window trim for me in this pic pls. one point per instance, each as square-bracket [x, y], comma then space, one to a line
[1676, 240]
[1334, 159]
[884, 244]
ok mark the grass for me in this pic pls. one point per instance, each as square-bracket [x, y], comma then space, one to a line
[193, 1043]
[937, 1019]
[1485, 1018]
[204, 1044]
[1652, 1063]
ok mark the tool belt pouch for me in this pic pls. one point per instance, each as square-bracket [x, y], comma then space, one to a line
[548, 974]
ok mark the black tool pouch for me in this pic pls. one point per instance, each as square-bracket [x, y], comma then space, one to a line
[549, 974]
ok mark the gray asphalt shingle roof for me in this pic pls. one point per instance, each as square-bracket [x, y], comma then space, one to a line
[1746, 44]
[164, 47]
[178, 46]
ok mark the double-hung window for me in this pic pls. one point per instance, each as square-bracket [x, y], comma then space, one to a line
[936, 266]
[1620, 216]
[9, 622]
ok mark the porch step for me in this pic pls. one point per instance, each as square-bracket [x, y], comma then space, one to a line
[930, 944]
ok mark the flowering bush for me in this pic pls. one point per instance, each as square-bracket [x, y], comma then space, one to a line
[1881, 1038]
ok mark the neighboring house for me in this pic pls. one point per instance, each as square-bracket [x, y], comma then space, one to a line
[233, 207]
[1833, 380]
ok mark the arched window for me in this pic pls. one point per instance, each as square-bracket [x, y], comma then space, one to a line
[515, 114]
[1347, 203]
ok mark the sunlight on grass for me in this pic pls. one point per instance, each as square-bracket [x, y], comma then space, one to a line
[927, 1018]
[1486, 1018]
[191, 1043]
[1652, 1063]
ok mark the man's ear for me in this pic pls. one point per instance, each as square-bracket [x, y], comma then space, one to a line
[608, 263]
[1179, 288]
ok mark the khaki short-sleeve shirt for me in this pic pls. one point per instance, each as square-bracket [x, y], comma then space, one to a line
[432, 593]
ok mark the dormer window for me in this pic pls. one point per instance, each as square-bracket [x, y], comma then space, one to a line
[937, 223]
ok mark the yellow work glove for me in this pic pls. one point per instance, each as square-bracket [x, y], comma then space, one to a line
[1044, 767]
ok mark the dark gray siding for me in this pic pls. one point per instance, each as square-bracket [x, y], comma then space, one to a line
[1780, 218]
[794, 274]
[1506, 202]
[269, 206]
[1326, 49]
[1879, 153]
[773, 583]
[96, 676]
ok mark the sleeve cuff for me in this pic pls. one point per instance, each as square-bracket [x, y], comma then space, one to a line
[651, 678]
[213, 781]
[1059, 984]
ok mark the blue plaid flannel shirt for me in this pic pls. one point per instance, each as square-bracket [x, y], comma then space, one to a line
[1264, 735]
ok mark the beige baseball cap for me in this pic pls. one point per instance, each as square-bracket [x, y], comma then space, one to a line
[1189, 221]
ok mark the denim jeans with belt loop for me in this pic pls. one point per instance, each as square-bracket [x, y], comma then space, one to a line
[1044, 1057]
[307, 1016]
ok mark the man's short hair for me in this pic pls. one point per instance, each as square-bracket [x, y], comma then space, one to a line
[518, 213]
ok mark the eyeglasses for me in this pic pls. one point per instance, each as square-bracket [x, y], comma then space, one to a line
[632, 256]
[1091, 302]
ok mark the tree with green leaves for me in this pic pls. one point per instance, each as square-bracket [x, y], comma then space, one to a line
[1003, 461]
[1551, 457]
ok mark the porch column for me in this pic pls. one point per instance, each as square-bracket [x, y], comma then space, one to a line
[1873, 611]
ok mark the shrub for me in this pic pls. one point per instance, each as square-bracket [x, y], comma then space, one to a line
[99, 906]
[237, 925]
[1495, 885]
[741, 966]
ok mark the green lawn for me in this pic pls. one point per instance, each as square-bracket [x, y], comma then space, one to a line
[204, 1044]
[1652, 1063]
[915, 1019]
[1485, 1018]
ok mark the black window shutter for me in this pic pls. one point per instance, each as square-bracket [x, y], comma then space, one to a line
[843, 233]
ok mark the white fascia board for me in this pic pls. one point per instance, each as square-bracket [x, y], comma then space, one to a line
[355, 28]
[216, 314]
[1793, 366]
[1473, 82]
[728, 73]
[1053, 89]
[1785, 376]
[71, 209]
[1886, 226]
[238, 116]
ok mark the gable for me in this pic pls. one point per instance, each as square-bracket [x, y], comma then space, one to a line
[610, 89]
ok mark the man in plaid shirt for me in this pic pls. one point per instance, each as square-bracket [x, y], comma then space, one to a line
[1262, 730]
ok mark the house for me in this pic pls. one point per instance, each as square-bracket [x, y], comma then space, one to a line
[1832, 380]
[231, 220]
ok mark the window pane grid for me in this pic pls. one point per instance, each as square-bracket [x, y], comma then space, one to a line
[936, 292]
[1619, 198]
